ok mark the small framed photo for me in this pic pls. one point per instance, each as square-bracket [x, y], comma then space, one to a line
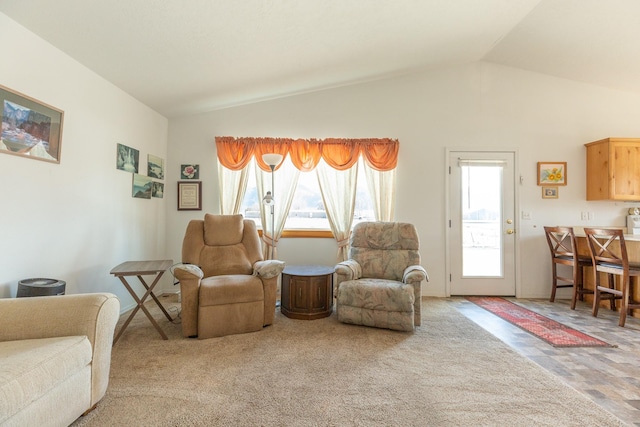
[141, 186]
[549, 192]
[552, 173]
[155, 167]
[127, 158]
[158, 190]
[189, 195]
[189, 171]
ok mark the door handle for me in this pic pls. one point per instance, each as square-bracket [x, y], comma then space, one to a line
[511, 231]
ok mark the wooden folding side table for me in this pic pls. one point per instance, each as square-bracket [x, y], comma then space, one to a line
[142, 268]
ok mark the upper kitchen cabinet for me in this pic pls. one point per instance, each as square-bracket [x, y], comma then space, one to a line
[613, 169]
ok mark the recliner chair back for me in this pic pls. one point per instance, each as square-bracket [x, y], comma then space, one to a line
[222, 244]
[384, 249]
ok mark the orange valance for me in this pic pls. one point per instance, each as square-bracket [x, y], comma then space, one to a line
[339, 153]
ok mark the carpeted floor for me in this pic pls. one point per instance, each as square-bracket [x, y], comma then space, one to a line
[450, 372]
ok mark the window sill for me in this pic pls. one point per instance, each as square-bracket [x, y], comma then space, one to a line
[314, 234]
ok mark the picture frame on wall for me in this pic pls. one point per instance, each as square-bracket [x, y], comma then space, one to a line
[142, 186]
[552, 173]
[155, 167]
[190, 171]
[189, 195]
[30, 128]
[157, 190]
[127, 158]
[549, 192]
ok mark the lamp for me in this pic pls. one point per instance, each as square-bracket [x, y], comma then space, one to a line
[268, 199]
[273, 160]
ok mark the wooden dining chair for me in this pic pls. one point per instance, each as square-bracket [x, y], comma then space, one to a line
[562, 244]
[609, 255]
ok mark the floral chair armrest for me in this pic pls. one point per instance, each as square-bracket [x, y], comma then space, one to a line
[348, 270]
[414, 273]
[268, 269]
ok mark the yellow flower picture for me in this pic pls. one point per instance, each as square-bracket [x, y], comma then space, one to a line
[552, 173]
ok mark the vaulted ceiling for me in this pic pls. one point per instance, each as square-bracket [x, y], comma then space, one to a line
[189, 56]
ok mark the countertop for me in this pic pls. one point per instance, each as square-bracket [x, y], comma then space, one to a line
[579, 232]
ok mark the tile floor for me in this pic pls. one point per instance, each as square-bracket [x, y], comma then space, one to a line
[608, 376]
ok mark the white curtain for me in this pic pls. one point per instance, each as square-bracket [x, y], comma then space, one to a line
[232, 186]
[286, 180]
[382, 185]
[338, 190]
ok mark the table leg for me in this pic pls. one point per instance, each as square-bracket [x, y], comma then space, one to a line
[133, 313]
[140, 302]
[150, 289]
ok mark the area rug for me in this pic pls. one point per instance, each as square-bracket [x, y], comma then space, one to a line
[307, 373]
[554, 333]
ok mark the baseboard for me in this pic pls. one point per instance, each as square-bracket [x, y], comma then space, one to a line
[173, 293]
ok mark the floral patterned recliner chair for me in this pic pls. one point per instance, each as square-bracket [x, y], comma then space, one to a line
[380, 284]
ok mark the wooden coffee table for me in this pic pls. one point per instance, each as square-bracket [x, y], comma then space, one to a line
[307, 291]
[139, 269]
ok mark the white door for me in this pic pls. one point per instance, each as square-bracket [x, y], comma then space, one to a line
[482, 223]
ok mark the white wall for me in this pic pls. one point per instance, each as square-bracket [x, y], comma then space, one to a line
[480, 105]
[76, 220]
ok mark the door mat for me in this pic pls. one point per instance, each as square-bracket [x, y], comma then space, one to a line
[554, 333]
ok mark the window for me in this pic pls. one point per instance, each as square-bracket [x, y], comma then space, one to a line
[307, 209]
[339, 176]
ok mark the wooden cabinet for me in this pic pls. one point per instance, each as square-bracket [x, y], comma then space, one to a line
[613, 169]
[307, 292]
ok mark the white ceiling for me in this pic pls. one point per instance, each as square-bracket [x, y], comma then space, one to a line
[189, 56]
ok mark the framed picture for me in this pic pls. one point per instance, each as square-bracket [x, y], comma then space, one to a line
[30, 128]
[127, 159]
[190, 172]
[155, 167]
[549, 192]
[189, 195]
[141, 186]
[158, 190]
[552, 173]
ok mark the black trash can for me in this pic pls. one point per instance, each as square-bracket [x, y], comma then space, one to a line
[38, 287]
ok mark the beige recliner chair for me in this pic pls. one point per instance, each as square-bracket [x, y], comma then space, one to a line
[380, 284]
[228, 288]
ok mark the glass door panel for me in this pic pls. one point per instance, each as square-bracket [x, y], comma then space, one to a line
[481, 221]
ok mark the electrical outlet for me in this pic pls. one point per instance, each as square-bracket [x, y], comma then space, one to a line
[584, 216]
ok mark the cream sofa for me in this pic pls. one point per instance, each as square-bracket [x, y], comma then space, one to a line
[55, 354]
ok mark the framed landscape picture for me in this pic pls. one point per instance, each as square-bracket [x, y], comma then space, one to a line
[30, 128]
[142, 186]
[127, 159]
[155, 167]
